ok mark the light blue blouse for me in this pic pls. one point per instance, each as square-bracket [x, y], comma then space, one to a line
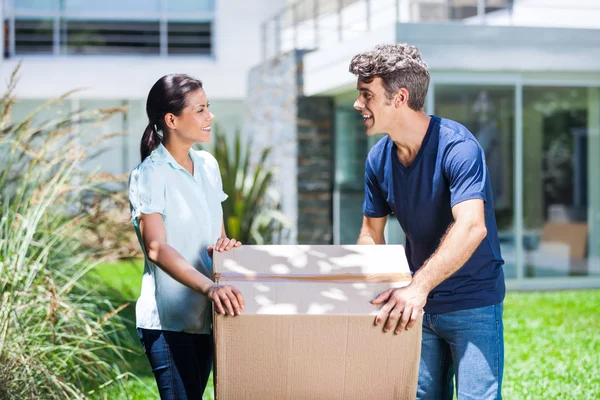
[193, 216]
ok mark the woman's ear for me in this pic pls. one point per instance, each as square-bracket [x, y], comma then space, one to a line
[171, 121]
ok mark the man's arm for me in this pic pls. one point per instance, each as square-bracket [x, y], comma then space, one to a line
[405, 305]
[372, 231]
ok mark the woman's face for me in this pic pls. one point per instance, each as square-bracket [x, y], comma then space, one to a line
[193, 124]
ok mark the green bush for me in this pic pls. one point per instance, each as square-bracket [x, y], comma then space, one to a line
[59, 338]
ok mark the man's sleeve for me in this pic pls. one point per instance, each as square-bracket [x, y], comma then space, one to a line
[466, 172]
[375, 204]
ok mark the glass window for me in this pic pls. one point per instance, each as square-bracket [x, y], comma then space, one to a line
[488, 112]
[351, 148]
[190, 37]
[561, 195]
[462, 9]
[146, 6]
[34, 36]
[191, 5]
[36, 4]
[110, 27]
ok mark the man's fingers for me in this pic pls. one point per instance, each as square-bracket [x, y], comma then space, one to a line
[383, 297]
[392, 321]
[404, 319]
[238, 244]
[413, 318]
[384, 312]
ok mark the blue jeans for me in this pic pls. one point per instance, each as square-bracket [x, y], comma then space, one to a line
[468, 344]
[181, 362]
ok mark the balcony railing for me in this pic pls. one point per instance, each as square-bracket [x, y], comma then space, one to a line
[314, 24]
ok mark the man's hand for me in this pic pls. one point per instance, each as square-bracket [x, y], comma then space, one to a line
[402, 309]
[223, 244]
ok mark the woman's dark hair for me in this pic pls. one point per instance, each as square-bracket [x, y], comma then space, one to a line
[168, 95]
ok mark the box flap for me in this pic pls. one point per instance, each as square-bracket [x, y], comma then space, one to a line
[311, 279]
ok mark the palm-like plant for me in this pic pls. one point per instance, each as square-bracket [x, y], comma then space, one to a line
[251, 212]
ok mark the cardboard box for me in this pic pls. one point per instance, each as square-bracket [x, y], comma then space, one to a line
[307, 330]
[572, 234]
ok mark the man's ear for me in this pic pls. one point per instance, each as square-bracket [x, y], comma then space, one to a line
[401, 97]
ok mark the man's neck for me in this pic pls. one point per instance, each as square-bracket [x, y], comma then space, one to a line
[408, 135]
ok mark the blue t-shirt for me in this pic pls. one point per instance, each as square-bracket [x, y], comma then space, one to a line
[448, 169]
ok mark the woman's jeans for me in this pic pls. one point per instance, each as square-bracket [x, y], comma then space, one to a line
[181, 362]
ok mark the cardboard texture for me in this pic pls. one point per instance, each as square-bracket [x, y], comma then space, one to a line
[307, 330]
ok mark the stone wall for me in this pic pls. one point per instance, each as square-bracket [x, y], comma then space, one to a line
[300, 131]
[315, 170]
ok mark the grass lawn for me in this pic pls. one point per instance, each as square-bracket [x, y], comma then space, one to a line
[552, 345]
[121, 281]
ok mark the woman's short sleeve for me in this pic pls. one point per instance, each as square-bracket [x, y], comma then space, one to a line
[146, 192]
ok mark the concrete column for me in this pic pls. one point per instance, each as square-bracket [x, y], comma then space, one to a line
[533, 195]
[593, 180]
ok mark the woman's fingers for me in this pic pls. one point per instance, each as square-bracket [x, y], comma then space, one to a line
[225, 244]
[239, 298]
[227, 299]
[224, 296]
[215, 298]
[230, 245]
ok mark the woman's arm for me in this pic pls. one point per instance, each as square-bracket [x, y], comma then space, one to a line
[169, 260]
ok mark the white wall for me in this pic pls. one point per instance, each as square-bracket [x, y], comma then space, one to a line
[237, 47]
[469, 48]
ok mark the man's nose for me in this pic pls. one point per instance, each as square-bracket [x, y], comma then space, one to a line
[358, 105]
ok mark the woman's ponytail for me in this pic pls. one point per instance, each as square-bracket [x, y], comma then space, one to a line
[150, 141]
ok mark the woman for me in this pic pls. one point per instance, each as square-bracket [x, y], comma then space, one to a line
[175, 196]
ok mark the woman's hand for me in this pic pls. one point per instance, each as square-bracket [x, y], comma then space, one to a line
[226, 298]
[223, 244]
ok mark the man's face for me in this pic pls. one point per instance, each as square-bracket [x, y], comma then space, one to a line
[374, 106]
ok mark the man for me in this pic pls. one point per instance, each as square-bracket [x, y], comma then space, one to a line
[430, 173]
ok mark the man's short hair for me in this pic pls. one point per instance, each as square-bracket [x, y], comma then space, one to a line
[398, 66]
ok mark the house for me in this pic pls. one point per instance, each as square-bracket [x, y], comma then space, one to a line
[116, 50]
[522, 75]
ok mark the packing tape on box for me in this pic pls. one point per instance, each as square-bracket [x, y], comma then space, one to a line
[221, 277]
